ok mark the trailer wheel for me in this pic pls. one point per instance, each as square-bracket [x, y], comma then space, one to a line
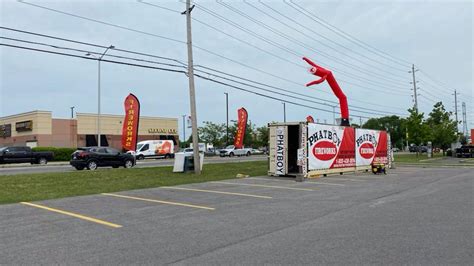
[248, 154]
[231, 154]
[140, 157]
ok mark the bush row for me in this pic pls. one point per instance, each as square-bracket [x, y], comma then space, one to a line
[60, 154]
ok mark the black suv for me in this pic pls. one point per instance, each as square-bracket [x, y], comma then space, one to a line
[93, 157]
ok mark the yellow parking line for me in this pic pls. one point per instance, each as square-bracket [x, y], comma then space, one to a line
[329, 184]
[343, 179]
[218, 192]
[257, 185]
[79, 216]
[159, 201]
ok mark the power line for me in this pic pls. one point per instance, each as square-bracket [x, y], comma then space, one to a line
[164, 69]
[391, 88]
[278, 88]
[347, 36]
[85, 51]
[338, 44]
[89, 44]
[296, 53]
[315, 32]
[155, 56]
[162, 37]
[158, 36]
[209, 73]
[288, 37]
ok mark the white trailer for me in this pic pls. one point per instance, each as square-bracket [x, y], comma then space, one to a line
[306, 150]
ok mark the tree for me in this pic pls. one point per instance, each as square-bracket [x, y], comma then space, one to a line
[212, 133]
[395, 125]
[443, 128]
[261, 139]
[418, 131]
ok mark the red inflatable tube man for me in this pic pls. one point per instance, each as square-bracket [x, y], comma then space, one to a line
[327, 75]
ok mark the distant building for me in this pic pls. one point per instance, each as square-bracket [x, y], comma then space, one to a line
[39, 129]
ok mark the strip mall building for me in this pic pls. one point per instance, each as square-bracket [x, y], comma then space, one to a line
[40, 129]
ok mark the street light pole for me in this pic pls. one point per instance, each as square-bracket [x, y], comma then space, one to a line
[72, 111]
[227, 118]
[98, 90]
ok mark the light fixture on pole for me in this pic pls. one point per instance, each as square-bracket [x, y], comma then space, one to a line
[99, 59]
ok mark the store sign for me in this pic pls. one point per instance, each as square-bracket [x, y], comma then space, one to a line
[371, 147]
[5, 130]
[241, 127]
[330, 147]
[24, 126]
[280, 167]
[130, 124]
[162, 131]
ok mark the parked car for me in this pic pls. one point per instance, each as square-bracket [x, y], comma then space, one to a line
[465, 152]
[422, 149]
[395, 149]
[18, 154]
[94, 157]
[255, 151]
[231, 151]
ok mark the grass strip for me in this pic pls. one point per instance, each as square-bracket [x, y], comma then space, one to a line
[33, 187]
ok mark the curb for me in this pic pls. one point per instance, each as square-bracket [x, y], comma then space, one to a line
[16, 165]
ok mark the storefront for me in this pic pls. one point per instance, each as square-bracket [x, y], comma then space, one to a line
[39, 129]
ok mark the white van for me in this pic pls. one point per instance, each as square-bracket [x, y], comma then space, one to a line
[154, 148]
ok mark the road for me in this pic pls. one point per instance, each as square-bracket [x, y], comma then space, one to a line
[411, 216]
[64, 167]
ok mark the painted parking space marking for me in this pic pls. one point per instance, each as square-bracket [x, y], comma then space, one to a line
[343, 179]
[313, 182]
[265, 186]
[159, 201]
[79, 216]
[328, 184]
[218, 192]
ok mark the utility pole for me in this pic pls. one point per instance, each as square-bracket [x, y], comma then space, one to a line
[284, 112]
[72, 111]
[227, 118]
[464, 119]
[192, 96]
[415, 95]
[456, 109]
[184, 128]
[360, 121]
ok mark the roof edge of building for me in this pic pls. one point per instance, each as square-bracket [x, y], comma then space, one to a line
[122, 116]
[26, 113]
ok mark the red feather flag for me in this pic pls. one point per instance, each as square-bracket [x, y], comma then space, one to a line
[241, 127]
[130, 123]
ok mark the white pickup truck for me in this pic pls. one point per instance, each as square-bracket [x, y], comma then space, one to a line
[232, 151]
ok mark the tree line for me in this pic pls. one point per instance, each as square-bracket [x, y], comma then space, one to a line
[438, 127]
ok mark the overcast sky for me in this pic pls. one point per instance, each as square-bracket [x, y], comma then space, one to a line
[436, 36]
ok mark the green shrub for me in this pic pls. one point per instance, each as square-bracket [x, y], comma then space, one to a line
[60, 154]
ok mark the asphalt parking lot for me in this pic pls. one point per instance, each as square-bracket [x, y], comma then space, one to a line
[410, 216]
